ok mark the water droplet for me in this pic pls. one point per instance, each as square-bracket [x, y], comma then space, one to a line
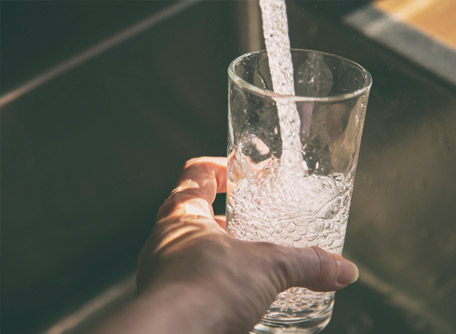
[291, 228]
[284, 223]
[328, 225]
[311, 236]
[301, 230]
[333, 210]
[288, 242]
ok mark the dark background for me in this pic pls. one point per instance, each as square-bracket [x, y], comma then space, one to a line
[90, 154]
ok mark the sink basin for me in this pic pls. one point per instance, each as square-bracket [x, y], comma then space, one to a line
[96, 129]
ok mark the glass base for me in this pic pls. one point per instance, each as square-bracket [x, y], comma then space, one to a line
[279, 323]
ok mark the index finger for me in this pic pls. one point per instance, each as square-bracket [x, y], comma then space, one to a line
[200, 180]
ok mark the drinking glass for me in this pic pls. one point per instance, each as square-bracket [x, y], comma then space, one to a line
[291, 169]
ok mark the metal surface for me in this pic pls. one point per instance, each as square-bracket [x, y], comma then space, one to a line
[428, 52]
[88, 157]
[401, 223]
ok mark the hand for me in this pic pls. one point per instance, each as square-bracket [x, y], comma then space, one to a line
[194, 278]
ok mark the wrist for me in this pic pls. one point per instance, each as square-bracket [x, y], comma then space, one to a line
[167, 309]
[181, 308]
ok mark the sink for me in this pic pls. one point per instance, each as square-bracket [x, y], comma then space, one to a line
[94, 143]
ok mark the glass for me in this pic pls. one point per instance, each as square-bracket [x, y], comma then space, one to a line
[305, 201]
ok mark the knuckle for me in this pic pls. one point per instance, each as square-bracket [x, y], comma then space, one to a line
[324, 261]
[193, 161]
[286, 271]
[199, 162]
[168, 206]
[325, 269]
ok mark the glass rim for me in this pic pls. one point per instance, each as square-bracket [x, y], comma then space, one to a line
[299, 98]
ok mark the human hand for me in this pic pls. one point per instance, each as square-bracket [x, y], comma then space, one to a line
[207, 281]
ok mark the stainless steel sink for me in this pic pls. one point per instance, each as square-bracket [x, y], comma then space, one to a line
[96, 129]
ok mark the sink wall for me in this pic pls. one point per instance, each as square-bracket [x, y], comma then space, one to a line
[89, 154]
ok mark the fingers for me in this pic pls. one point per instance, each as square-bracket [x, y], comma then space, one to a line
[200, 180]
[221, 220]
[313, 268]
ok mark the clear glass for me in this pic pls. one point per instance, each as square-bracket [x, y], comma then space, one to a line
[306, 202]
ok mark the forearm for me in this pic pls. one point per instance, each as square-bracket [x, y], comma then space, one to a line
[173, 309]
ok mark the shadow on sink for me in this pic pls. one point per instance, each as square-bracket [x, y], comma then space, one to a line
[367, 307]
[82, 150]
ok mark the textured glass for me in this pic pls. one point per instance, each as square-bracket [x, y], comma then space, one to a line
[270, 200]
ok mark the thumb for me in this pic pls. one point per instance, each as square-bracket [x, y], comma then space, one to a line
[312, 268]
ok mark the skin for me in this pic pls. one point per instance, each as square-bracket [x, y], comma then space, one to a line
[194, 278]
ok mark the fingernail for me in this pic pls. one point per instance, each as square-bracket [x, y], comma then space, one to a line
[348, 272]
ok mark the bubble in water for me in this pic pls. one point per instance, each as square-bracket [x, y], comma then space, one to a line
[301, 230]
[286, 201]
[291, 228]
[332, 210]
[284, 209]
